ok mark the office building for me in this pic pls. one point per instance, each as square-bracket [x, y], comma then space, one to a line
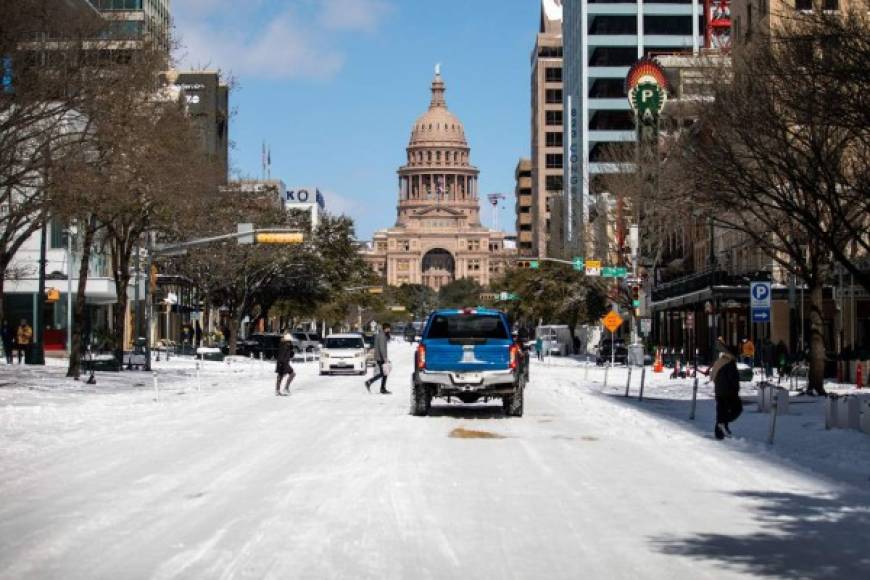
[547, 124]
[207, 101]
[132, 22]
[602, 39]
[523, 207]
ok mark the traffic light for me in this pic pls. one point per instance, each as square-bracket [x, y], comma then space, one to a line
[279, 238]
[635, 296]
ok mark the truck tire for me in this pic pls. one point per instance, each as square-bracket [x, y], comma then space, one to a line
[420, 400]
[513, 404]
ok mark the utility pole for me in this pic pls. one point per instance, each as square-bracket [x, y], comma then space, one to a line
[37, 351]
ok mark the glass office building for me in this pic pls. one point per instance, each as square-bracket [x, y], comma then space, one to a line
[602, 39]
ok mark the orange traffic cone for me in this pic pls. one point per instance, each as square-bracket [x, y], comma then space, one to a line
[659, 365]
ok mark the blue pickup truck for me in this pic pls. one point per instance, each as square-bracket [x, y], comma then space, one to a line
[469, 354]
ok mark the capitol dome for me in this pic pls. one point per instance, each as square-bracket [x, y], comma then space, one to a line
[438, 127]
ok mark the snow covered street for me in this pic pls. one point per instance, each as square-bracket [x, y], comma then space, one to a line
[218, 478]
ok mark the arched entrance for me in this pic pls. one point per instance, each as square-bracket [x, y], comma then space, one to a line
[439, 268]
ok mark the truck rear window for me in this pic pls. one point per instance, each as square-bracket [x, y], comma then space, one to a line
[467, 326]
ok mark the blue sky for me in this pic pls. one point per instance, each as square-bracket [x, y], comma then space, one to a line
[335, 85]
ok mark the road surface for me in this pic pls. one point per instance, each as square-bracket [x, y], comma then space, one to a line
[331, 482]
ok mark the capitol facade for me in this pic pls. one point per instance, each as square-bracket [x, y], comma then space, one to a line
[438, 237]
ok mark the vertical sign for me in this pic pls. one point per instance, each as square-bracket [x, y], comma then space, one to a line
[759, 301]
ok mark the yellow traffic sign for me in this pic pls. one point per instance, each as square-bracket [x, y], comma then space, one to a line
[612, 321]
[278, 238]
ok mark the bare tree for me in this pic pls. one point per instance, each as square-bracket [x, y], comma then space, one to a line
[772, 159]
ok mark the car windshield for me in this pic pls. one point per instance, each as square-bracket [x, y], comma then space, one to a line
[344, 342]
[300, 336]
[487, 326]
[370, 340]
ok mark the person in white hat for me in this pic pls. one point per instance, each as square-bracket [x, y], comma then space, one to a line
[283, 367]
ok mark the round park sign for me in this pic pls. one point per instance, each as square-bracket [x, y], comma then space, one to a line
[647, 88]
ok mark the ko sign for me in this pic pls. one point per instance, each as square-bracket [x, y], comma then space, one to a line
[759, 301]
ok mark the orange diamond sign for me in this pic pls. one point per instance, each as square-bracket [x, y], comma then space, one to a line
[612, 321]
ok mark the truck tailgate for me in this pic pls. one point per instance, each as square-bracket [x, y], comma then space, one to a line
[492, 355]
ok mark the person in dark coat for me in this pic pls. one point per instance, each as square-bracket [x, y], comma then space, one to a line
[197, 333]
[8, 341]
[727, 388]
[382, 338]
[283, 367]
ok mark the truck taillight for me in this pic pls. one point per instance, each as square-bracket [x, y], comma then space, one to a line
[421, 357]
[514, 354]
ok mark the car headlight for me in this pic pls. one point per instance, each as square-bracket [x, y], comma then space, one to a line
[324, 355]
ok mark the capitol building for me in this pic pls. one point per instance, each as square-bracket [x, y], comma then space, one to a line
[438, 237]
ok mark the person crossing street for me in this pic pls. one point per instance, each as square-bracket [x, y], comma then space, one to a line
[382, 339]
[285, 371]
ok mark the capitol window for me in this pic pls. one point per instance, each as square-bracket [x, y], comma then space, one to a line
[474, 265]
[474, 245]
[404, 245]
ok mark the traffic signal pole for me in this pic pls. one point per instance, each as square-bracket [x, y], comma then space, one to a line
[245, 234]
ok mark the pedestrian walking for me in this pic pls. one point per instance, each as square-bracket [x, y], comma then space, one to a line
[747, 350]
[382, 338]
[8, 341]
[539, 348]
[23, 338]
[283, 368]
[197, 332]
[726, 380]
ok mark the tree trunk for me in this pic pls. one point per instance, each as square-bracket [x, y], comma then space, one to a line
[75, 350]
[119, 309]
[816, 377]
[232, 339]
[2, 289]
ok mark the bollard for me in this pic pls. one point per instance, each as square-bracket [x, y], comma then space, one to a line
[586, 372]
[773, 414]
[606, 369]
[642, 378]
[628, 382]
[831, 411]
[156, 389]
[694, 397]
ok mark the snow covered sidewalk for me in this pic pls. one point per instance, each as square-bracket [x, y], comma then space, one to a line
[229, 481]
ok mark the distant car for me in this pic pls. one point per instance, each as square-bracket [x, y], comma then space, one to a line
[261, 344]
[343, 353]
[616, 352]
[305, 342]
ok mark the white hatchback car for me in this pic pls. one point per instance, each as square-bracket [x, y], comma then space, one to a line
[343, 353]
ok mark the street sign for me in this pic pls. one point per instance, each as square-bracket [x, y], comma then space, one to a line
[759, 301]
[645, 326]
[593, 267]
[397, 308]
[507, 296]
[534, 265]
[612, 321]
[614, 272]
[579, 265]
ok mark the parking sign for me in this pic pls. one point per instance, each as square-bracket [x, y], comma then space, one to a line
[759, 301]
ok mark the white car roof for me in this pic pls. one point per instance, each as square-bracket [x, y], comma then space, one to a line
[348, 335]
